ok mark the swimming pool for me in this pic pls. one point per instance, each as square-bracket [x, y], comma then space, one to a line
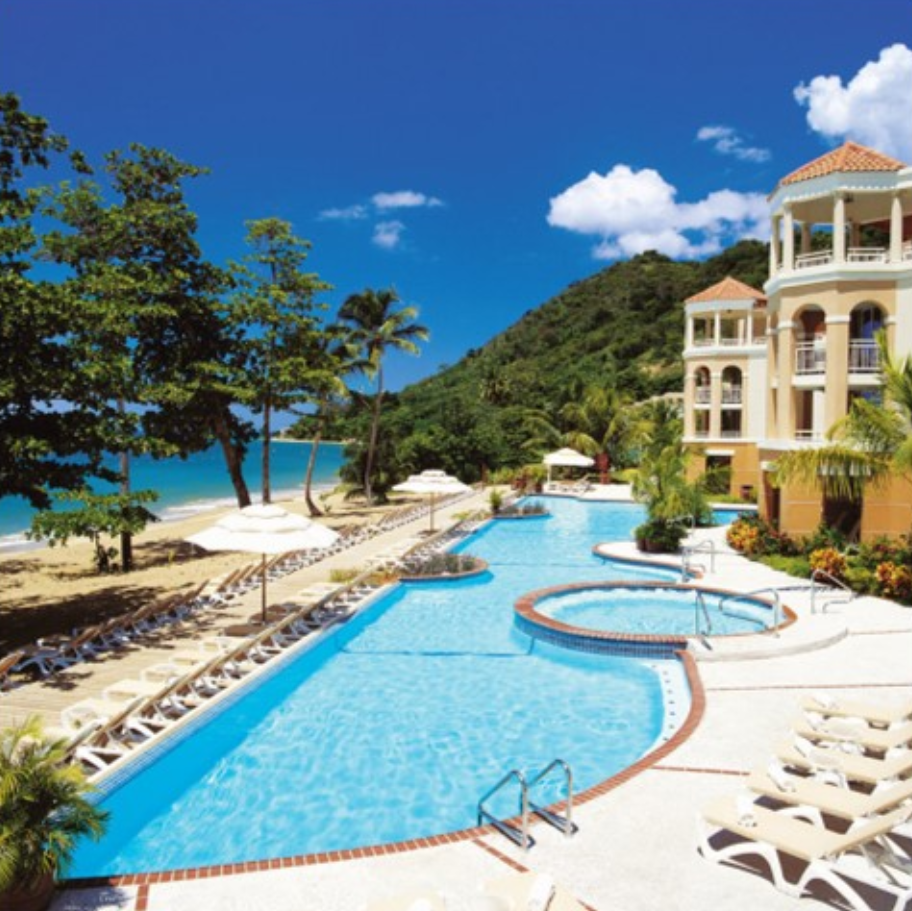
[394, 726]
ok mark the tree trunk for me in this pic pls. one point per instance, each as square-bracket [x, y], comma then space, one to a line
[126, 539]
[372, 444]
[232, 459]
[267, 433]
[311, 464]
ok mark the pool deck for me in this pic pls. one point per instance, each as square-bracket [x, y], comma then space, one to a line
[636, 845]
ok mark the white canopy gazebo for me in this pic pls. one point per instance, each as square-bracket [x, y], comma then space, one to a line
[567, 458]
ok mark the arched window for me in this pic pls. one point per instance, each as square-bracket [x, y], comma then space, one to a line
[866, 321]
[702, 382]
[731, 386]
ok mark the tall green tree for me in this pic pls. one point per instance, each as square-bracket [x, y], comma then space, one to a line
[378, 327]
[53, 424]
[153, 329]
[274, 307]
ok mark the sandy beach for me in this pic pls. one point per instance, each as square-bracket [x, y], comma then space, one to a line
[53, 589]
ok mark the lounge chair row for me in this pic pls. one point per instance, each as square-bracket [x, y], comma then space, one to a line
[832, 810]
[102, 731]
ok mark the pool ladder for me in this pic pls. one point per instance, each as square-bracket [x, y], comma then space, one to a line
[520, 835]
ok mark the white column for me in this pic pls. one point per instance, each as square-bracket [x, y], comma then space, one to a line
[818, 425]
[839, 229]
[750, 328]
[788, 257]
[805, 237]
[717, 329]
[688, 332]
[896, 226]
[775, 246]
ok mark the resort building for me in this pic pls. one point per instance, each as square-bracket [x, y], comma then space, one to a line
[771, 371]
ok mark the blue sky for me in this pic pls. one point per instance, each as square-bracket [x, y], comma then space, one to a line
[478, 155]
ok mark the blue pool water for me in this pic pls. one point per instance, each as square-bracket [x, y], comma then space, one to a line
[394, 726]
[647, 611]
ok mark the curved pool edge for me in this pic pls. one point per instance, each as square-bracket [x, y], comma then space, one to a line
[644, 763]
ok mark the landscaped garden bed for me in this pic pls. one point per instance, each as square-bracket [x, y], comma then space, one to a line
[882, 567]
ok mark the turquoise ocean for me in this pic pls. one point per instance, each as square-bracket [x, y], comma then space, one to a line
[199, 483]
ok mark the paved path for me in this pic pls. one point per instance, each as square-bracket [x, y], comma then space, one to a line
[636, 848]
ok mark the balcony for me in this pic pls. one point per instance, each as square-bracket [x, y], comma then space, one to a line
[808, 436]
[734, 434]
[864, 357]
[810, 358]
[702, 395]
[731, 395]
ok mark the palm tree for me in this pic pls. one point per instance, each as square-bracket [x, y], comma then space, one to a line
[871, 444]
[378, 327]
[44, 810]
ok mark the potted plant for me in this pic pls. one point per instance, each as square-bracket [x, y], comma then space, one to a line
[44, 810]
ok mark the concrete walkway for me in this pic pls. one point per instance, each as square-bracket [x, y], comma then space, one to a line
[636, 845]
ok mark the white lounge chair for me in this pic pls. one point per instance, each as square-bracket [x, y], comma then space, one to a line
[532, 892]
[849, 862]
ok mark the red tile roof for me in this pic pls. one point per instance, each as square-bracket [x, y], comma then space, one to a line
[729, 289]
[850, 156]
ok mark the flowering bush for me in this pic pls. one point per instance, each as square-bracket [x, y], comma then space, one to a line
[830, 561]
[894, 581]
[755, 537]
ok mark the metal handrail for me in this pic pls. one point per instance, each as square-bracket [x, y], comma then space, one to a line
[777, 603]
[565, 822]
[700, 603]
[522, 838]
[818, 573]
[690, 549]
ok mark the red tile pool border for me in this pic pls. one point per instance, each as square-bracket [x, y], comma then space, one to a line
[697, 708]
[525, 608]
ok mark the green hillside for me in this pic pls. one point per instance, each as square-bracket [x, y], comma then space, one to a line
[622, 327]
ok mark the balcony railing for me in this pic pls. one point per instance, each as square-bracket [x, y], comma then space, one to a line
[864, 357]
[731, 434]
[853, 255]
[702, 395]
[810, 358]
[810, 260]
[867, 255]
[809, 436]
[907, 250]
[731, 396]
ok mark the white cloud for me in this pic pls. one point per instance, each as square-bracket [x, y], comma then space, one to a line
[404, 199]
[872, 108]
[349, 213]
[388, 234]
[633, 211]
[727, 141]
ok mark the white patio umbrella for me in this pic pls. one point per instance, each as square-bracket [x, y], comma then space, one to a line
[567, 458]
[266, 530]
[433, 482]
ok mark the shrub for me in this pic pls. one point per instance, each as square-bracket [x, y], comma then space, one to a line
[794, 566]
[830, 561]
[752, 535]
[344, 574]
[524, 509]
[861, 579]
[495, 499]
[894, 581]
[443, 565]
[661, 536]
[824, 538]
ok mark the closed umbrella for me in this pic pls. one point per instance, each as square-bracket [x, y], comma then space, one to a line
[434, 483]
[266, 530]
[567, 458]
